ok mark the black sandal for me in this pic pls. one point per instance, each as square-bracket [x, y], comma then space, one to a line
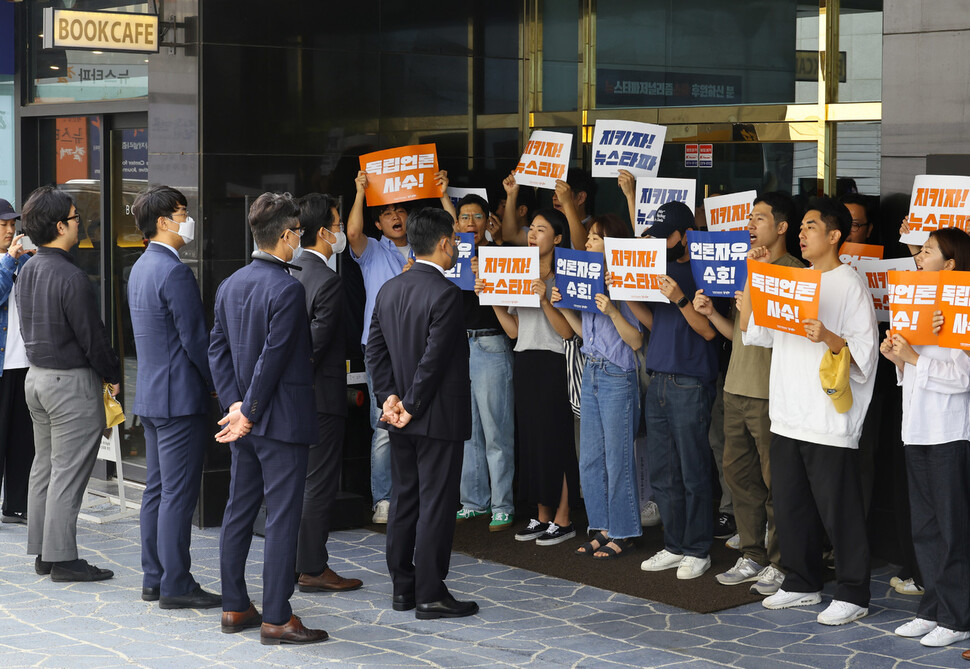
[588, 548]
[625, 545]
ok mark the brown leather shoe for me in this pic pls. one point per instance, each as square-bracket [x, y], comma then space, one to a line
[328, 581]
[237, 621]
[291, 632]
[966, 655]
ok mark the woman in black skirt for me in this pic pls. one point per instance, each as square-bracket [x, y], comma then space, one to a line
[549, 472]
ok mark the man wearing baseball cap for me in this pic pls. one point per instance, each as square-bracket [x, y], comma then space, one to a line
[682, 362]
[16, 431]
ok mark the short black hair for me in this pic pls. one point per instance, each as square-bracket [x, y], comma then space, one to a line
[610, 225]
[381, 208]
[471, 198]
[154, 202]
[783, 207]
[42, 211]
[559, 224]
[426, 227]
[527, 197]
[954, 245]
[315, 214]
[833, 214]
[580, 181]
[269, 217]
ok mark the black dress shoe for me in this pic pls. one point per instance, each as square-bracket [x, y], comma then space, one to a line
[78, 570]
[42, 568]
[403, 602]
[19, 517]
[448, 607]
[150, 594]
[196, 599]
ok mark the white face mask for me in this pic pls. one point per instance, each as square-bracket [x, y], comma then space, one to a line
[297, 251]
[186, 229]
[339, 243]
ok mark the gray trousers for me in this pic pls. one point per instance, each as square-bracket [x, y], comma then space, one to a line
[67, 410]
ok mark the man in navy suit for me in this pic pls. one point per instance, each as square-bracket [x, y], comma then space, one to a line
[261, 364]
[326, 308]
[417, 352]
[171, 397]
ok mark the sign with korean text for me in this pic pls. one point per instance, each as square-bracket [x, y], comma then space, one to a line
[102, 31]
[651, 192]
[718, 261]
[782, 297]
[71, 148]
[461, 274]
[508, 273]
[579, 277]
[937, 202]
[955, 305]
[729, 212]
[851, 253]
[876, 275]
[545, 159]
[401, 174]
[635, 267]
[627, 145]
[690, 155]
[705, 155]
[912, 301]
[456, 194]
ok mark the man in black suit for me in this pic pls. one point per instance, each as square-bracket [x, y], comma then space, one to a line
[417, 352]
[326, 306]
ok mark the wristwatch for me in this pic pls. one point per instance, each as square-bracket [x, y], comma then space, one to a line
[682, 302]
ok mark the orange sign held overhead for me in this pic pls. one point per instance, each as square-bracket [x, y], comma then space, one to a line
[783, 297]
[954, 302]
[912, 301]
[851, 253]
[401, 174]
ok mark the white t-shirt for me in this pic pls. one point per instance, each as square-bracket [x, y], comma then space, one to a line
[797, 404]
[15, 355]
[936, 396]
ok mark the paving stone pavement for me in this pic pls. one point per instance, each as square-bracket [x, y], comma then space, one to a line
[526, 620]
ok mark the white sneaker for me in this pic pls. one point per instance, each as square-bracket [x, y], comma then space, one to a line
[734, 542]
[692, 567]
[660, 561]
[840, 613]
[380, 512]
[915, 627]
[908, 587]
[785, 600]
[650, 515]
[942, 636]
[744, 570]
[769, 581]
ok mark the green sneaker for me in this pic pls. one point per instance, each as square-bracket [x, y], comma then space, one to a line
[468, 514]
[500, 521]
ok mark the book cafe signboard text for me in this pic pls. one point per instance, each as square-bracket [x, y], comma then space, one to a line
[103, 31]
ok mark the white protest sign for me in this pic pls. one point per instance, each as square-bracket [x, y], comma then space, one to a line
[635, 266]
[729, 212]
[457, 194]
[508, 273]
[545, 159]
[651, 192]
[875, 274]
[937, 202]
[627, 145]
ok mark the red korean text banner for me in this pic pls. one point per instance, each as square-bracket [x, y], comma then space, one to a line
[782, 297]
[912, 301]
[401, 174]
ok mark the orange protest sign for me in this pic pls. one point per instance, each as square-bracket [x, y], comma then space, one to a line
[851, 253]
[783, 297]
[954, 302]
[912, 301]
[401, 174]
[71, 145]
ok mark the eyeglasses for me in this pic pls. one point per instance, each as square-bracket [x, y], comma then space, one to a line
[297, 231]
[857, 225]
[76, 217]
[468, 217]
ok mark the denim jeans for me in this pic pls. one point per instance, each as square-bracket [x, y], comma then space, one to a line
[490, 452]
[607, 461]
[380, 450]
[678, 410]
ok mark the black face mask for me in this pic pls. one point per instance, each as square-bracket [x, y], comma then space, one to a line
[676, 252]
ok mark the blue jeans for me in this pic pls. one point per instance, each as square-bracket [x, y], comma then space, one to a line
[490, 453]
[678, 410]
[607, 461]
[380, 450]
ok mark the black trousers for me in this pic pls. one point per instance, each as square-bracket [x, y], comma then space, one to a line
[938, 477]
[817, 488]
[322, 481]
[16, 441]
[425, 476]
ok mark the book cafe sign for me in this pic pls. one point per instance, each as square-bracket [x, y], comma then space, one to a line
[103, 31]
